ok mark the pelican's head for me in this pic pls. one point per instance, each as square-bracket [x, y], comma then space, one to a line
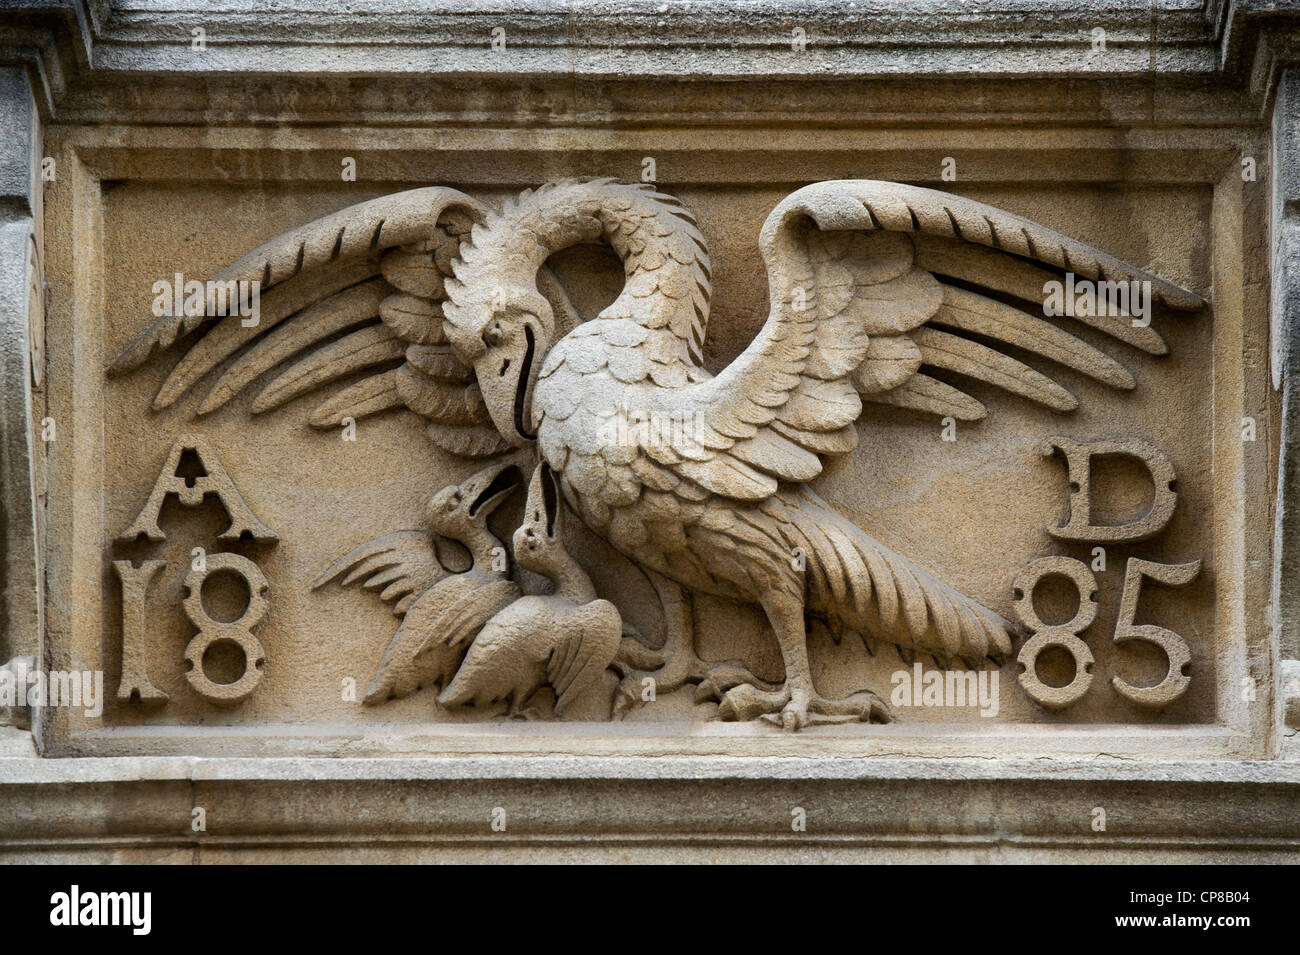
[461, 509]
[503, 332]
[538, 538]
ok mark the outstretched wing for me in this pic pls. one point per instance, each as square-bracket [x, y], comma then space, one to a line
[357, 297]
[401, 566]
[872, 282]
[583, 651]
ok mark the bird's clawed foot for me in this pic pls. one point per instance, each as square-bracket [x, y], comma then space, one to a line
[634, 663]
[522, 707]
[724, 677]
[747, 702]
[794, 710]
[713, 679]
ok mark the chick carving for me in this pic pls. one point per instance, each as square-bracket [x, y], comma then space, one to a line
[442, 617]
[565, 639]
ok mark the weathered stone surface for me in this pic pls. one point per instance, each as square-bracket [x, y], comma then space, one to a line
[629, 810]
[22, 330]
[312, 311]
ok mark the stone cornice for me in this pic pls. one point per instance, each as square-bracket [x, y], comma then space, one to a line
[706, 808]
[109, 46]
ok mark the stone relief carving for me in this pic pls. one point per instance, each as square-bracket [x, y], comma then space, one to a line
[565, 638]
[191, 492]
[1079, 458]
[442, 610]
[35, 312]
[700, 480]
[237, 633]
[135, 685]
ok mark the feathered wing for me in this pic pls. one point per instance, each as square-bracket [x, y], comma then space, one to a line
[355, 295]
[871, 283]
[401, 566]
[583, 652]
[431, 642]
[984, 273]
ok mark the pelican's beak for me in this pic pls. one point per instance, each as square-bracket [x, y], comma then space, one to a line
[506, 373]
[543, 507]
[488, 488]
[541, 512]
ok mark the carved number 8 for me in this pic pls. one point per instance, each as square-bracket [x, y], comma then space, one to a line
[238, 631]
[1063, 635]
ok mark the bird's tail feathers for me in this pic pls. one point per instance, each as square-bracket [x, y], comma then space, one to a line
[868, 587]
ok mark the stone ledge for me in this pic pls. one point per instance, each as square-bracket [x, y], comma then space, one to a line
[33, 770]
[737, 809]
[659, 37]
[88, 55]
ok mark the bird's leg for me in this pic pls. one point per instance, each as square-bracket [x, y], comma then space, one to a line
[677, 663]
[798, 701]
[634, 655]
[746, 702]
[517, 700]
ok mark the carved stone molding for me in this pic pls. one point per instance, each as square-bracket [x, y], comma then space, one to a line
[22, 333]
[92, 56]
[708, 809]
[1285, 352]
[373, 320]
[558, 405]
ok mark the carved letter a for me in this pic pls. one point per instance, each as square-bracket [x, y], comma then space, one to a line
[215, 481]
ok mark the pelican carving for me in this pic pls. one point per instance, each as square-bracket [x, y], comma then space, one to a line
[702, 480]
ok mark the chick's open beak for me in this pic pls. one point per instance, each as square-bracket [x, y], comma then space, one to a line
[488, 488]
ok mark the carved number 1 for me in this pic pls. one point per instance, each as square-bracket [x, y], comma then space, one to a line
[1175, 647]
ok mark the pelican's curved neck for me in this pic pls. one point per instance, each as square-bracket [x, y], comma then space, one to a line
[572, 582]
[665, 260]
[483, 546]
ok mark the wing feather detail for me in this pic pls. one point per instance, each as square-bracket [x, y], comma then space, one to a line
[986, 316]
[581, 657]
[923, 393]
[966, 357]
[365, 348]
[1005, 274]
[865, 204]
[358, 231]
[467, 441]
[347, 294]
[320, 321]
[368, 396]
[227, 337]
[403, 563]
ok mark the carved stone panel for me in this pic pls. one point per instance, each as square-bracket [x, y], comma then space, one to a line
[461, 455]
